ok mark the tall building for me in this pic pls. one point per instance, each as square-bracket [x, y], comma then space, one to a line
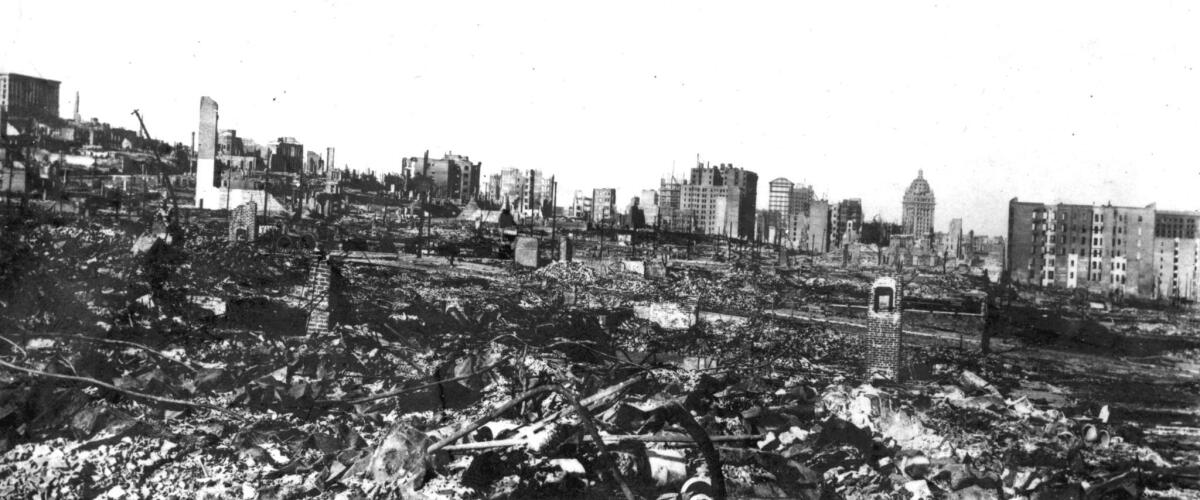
[721, 200]
[24, 96]
[796, 217]
[1177, 255]
[604, 205]
[917, 219]
[1100, 248]
[780, 197]
[649, 204]
[953, 247]
[845, 218]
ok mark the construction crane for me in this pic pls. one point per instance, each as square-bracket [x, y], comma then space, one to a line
[162, 170]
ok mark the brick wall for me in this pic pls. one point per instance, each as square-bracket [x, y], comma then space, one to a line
[317, 298]
[243, 217]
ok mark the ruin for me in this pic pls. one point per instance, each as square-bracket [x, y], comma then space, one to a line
[243, 223]
[884, 329]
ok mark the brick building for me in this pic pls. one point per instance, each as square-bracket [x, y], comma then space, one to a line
[1101, 248]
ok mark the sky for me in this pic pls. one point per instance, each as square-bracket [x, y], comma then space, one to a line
[1082, 102]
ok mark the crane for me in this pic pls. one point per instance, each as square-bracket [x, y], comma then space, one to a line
[162, 171]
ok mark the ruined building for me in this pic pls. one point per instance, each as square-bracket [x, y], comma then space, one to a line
[845, 218]
[917, 219]
[796, 217]
[1100, 248]
[217, 184]
[452, 176]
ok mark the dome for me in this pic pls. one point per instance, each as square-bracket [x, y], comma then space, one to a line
[919, 187]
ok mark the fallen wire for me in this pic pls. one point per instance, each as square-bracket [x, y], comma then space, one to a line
[397, 392]
[92, 381]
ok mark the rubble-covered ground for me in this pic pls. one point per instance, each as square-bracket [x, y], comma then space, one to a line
[136, 369]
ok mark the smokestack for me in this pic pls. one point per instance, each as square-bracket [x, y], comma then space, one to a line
[77, 120]
[193, 141]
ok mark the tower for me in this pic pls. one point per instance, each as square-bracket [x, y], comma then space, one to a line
[918, 205]
[77, 118]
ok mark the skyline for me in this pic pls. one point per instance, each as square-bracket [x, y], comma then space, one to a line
[1083, 103]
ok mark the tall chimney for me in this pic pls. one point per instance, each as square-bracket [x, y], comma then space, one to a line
[77, 120]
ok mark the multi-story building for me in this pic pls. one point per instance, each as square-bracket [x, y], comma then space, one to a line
[796, 217]
[451, 176]
[845, 217]
[24, 96]
[314, 163]
[721, 200]
[1101, 248]
[952, 247]
[918, 205]
[285, 154]
[515, 186]
[604, 205]
[1177, 255]
[649, 205]
[581, 206]
[491, 189]
[780, 197]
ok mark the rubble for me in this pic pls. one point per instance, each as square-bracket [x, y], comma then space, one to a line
[566, 380]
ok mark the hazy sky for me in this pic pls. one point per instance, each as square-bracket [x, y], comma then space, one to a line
[1083, 102]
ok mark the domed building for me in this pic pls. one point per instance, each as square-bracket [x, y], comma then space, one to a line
[918, 208]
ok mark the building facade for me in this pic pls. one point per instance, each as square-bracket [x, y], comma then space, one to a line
[24, 96]
[721, 200]
[1177, 255]
[1100, 248]
[918, 205]
[846, 217]
[604, 205]
[286, 154]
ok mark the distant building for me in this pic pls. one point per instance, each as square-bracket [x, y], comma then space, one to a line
[491, 189]
[918, 205]
[314, 163]
[286, 154]
[228, 143]
[515, 186]
[846, 217]
[604, 205]
[24, 96]
[795, 217]
[649, 205]
[452, 176]
[1101, 248]
[581, 206]
[952, 246]
[721, 200]
[1177, 255]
